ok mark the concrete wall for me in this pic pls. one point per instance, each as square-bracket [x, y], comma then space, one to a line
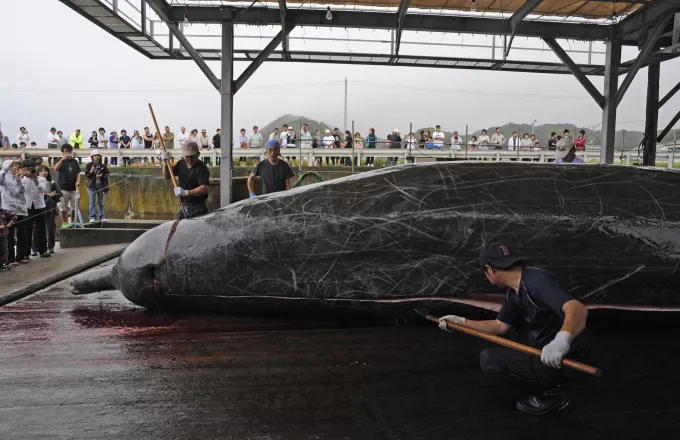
[143, 194]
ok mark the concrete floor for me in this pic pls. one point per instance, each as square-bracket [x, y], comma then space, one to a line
[97, 367]
[43, 272]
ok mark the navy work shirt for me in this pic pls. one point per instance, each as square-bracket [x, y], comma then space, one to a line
[537, 306]
[192, 178]
[273, 177]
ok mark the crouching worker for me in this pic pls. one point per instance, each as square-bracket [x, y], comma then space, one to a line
[536, 312]
[193, 178]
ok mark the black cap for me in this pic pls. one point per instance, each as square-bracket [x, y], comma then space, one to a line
[497, 255]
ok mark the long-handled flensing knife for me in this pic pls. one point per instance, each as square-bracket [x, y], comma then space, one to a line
[509, 344]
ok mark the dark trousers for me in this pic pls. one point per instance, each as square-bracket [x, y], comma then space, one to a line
[19, 236]
[36, 217]
[50, 229]
[191, 211]
[4, 260]
[11, 254]
[529, 368]
[369, 160]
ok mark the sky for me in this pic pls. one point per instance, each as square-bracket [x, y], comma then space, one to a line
[61, 70]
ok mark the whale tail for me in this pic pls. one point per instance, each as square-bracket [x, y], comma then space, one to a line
[93, 281]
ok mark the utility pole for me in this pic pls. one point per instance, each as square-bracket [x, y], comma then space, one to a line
[345, 103]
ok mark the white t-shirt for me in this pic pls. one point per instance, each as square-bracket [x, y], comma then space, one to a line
[438, 139]
[513, 142]
[137, 143]
[103, 140]
[410, 143]
[306, 138]
[455, 143]
[328, 142]
[183, 139]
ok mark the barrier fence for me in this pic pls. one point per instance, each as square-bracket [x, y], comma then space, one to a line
[664, 154]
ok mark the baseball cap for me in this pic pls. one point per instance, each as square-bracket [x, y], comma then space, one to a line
[273, 143]
[498, 255]
[563, 146]
[53, 129]
[190, 149]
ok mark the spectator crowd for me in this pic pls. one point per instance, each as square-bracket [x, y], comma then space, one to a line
[253, 143]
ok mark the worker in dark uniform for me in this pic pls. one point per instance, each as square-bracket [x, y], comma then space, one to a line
[275, 174]
[536, 312]
[192, 177]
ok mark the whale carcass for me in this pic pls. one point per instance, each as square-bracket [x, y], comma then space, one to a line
[412, 234]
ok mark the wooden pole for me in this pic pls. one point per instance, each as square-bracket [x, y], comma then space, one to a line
[594, 371]
[160, 137]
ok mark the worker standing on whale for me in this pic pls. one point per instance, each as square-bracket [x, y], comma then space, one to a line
[275, 174]
[193, 178]
[536, 312]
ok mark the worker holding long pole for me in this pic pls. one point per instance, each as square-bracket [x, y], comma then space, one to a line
[191, 184]
[536, 312]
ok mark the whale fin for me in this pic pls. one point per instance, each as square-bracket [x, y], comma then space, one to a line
[93, 281]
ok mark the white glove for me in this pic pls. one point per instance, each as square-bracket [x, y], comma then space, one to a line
[6, 165]
[165, 156]
[452, 318]
[553, 353]
[179, 192]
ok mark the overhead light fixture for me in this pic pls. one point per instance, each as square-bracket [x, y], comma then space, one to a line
[329, 15]
[473, 8]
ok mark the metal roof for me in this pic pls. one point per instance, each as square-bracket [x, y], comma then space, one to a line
[135, 28]
[591, 9]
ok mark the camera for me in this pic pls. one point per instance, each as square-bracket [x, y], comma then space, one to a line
[31, 164]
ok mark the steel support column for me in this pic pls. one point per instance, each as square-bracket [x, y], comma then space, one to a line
[652, 117]
[611, 79]
[227, 108]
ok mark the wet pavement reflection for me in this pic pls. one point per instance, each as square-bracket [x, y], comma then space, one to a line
[97, 366]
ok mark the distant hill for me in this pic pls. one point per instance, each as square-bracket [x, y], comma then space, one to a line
[294, 120]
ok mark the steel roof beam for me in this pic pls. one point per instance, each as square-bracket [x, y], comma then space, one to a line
[401, 13]
[160, 7]
[262, 57]
[575, 70]
[380, 20]
[283, 10]
[652, 38]
[646, 16]
[668, 128]
[524, 10]
[669, 95]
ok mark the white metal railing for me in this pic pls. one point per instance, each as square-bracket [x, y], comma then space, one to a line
[310, 154]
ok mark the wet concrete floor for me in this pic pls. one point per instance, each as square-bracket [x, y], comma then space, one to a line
[98, 367]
